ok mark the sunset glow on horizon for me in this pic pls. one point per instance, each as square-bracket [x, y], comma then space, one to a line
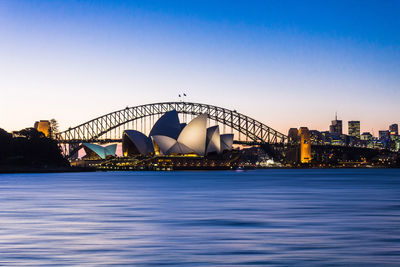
[286, 64]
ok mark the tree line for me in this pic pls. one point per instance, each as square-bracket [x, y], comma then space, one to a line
[29, 147]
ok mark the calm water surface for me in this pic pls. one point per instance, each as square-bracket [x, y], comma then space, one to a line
[224, 218]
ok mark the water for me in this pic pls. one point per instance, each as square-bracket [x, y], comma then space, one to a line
[223, 218]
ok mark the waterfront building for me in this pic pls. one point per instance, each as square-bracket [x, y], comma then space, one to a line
[305, 145]
[354, 129]
[397, 145]
[43, 126]
[315, 136]
[352, 141]
[336, 140]
[377, 144]
[393, 142]
[336, 126]
[367, 136]
[326, 137]
[299, 149]
[394, 129]
[347, 139]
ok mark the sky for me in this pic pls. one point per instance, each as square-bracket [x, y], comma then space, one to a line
[284, 63]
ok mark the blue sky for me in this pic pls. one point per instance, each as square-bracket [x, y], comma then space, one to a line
[285, 63]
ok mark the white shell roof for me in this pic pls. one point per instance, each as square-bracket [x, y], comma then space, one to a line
[111, 150]
[174, 137]
[179, 148]
[213, 140]
[226, 141]
[101, 151]
[194, 134]
[164, 143]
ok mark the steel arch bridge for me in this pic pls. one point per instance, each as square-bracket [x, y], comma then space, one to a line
[96, 130]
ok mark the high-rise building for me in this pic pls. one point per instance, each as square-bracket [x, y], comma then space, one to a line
[383, 135]
[293, 150]
[394, 129]
[354, 129]
[305, 145]
[299, 149]
[293, 135]
[336, 126]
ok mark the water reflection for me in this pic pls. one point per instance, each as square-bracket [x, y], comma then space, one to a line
[271, 217]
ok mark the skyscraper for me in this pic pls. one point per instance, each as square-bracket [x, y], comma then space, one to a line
[293, 135]
[354, 129]
[336, 126]
[394, 129]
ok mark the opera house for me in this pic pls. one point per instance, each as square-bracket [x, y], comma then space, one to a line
[170, 137]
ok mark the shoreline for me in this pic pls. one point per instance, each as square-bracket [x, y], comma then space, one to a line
[81, 169]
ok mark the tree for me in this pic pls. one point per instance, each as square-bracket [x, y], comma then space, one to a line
[29, 147]
[30, 133]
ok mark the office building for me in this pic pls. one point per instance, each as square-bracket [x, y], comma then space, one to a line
[336, 126]
[354, 129]
[394, 129]
[293, 135]
[383, 135]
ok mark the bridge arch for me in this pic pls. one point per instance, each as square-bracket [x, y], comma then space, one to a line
[93, 130]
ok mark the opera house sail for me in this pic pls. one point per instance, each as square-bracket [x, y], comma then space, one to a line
[136, 143]
[167, 125]
[96, 152]
[193, 136]
[163, 143]
[226, 142]
[213, 142]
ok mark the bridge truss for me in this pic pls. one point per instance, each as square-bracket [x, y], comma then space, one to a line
[109, 127]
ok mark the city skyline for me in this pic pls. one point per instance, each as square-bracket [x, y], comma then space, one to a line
[287, 65]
